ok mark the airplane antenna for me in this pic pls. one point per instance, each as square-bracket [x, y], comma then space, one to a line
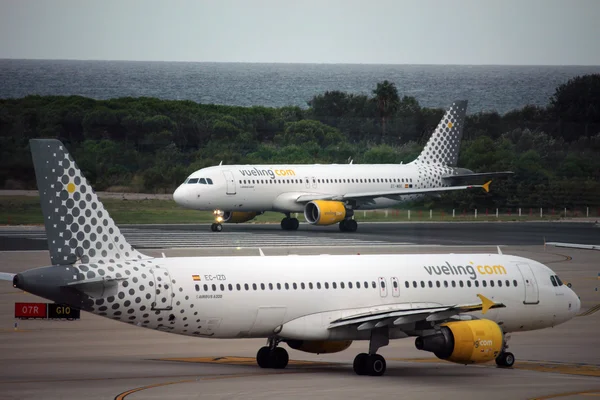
[499, 251]
[221, 163]
[261, 252]
[163, 254]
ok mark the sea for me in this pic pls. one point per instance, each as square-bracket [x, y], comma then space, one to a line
[496, 88]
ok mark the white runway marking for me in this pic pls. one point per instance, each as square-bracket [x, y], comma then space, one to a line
[154, 238]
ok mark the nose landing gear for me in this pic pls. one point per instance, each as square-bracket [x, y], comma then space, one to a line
[216, 227]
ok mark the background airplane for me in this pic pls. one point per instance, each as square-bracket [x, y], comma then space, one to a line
[329, 194]
[460, 307]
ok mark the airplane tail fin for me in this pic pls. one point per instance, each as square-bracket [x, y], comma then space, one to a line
[78, 227]
[443, 146]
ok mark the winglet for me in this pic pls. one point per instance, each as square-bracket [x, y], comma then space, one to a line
[486, 303]
[486, 186]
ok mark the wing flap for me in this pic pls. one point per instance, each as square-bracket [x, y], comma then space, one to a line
[403, 315]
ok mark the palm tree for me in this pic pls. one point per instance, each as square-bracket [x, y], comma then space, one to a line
[387, 99]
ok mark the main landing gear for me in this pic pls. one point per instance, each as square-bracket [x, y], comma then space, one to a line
[505, 360]
[271, 356]
[348, 225]
[373, 364]
[289, 224]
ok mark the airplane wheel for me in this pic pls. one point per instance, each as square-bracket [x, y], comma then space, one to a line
[505, 360]
[360, 364]
[343, 225]
[376, 365]
[286, 223]
[213, 227]
[279, 358]
[348, 225]
[263, 357]
[294, 224]
[216, 227]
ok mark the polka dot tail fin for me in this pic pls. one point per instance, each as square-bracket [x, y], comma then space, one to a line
[78, 227]
[443, 146]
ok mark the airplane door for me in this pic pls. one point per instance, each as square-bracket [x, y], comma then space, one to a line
[395, 286]
[531, 287]
[307, 183]
[163, 289]
[230, 182]
[382, 287]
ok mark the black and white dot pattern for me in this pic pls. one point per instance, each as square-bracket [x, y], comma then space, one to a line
[443, 146]
[77, 225]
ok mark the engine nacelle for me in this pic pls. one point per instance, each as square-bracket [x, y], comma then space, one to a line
[465, 342]
[319, 346]
[324, 212]
[235, 217]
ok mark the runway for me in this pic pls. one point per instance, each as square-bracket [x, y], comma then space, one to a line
[369, 234]
[96, 358]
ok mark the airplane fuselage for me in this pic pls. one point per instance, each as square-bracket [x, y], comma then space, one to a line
[209, 297]
[276, 187]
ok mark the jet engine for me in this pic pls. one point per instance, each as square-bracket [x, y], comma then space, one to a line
[235, 217]
[324, 212]
[465, 342]
[319, 346]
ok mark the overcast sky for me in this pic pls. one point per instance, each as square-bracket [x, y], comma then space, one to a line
[564, 32]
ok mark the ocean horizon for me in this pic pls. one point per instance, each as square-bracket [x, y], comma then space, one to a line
[488, 88]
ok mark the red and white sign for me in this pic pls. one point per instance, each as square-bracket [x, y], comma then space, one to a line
[31, 310]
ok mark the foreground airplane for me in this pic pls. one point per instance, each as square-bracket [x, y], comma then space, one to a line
[329, 194]
[460, 307]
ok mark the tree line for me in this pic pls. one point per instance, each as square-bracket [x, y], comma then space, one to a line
[151, 145]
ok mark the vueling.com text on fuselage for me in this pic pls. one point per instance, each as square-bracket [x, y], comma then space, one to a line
[468, 270]
[267, 172]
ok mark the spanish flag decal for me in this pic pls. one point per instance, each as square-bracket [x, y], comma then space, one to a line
[196, 277]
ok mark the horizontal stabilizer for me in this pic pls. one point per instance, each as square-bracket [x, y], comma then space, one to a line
[97, 287]
[475, 177]
[6, 276]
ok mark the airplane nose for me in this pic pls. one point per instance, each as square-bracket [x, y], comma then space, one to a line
[178, 195]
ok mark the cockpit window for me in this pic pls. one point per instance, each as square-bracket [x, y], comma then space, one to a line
[209, 181]
[553, 280]
[560, 283]
[193, 180]
[202, 181]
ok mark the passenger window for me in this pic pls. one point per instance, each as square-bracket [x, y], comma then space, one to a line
[349, 285]
[254, 286]
[262, 286]
[358, 285]
[430, 284]
[197, 288]
[461, 284]
[553, 280]
[270, 286]
[491, 283]
[382, 284]
[202, 181]
[237, 286]
[279, 286]
[366, 285]
[287, 286]
[214, 287]
[246, 286]
[342, 285]
[476, 283]
[334, 285]
[222, 287]
[437, 283]
[230, 287]
[515, 282]
[395, 285]
[318, 285]
[445, 283]
[453, 284]
[310, 285]
[414, 284]
[406, 284]
[294, 286]
[507, 282]
[422, 284]
[326, 285]
[499, 283]
[206, 288]
[469, 283]
[209, 181]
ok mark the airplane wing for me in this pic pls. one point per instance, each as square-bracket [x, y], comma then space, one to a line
[402, 315]
[387, 193]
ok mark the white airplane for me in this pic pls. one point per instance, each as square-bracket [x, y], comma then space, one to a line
[460, 307]
[329, 194]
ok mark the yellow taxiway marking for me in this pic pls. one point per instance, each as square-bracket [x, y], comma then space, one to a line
[122, 396]
[539, 366]
[579, 393]
[232, 360]
[590, 311]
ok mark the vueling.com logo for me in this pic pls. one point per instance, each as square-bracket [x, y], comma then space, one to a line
[267, 172]
[468, 270]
